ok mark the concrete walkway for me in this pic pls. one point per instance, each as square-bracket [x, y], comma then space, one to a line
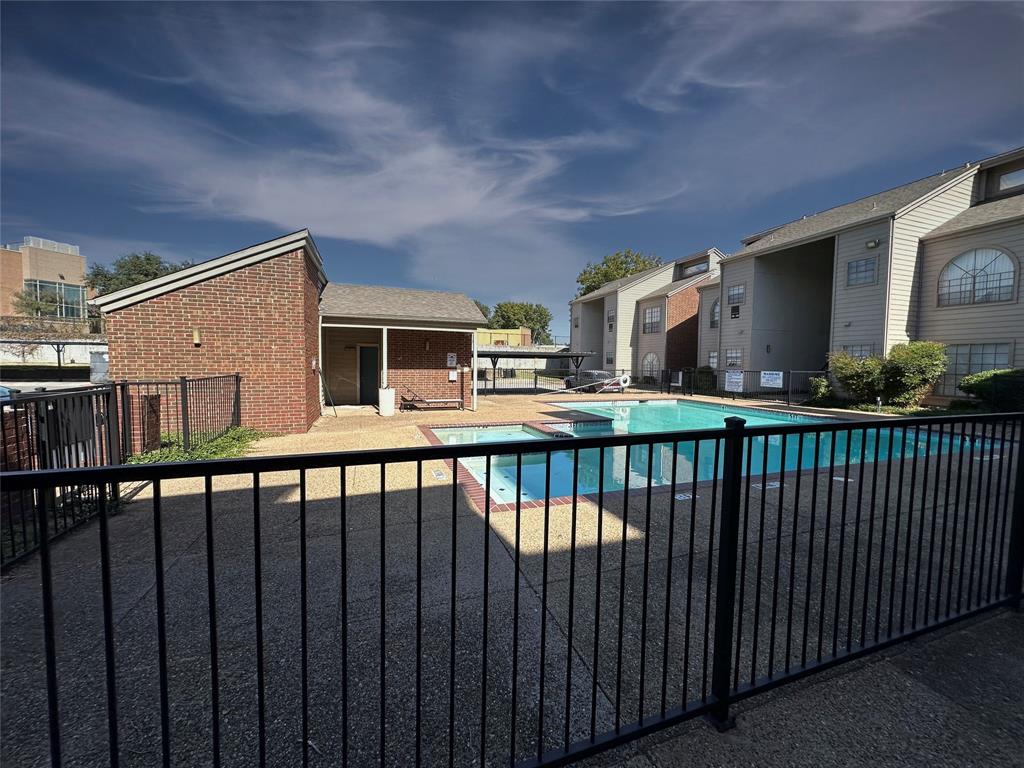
[951, 699]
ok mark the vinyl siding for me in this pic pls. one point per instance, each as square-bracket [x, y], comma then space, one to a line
[972, 323]
[790, 329]
[858, 312]
[609, 340]
[589, 336]
[627, 331]
[651, 342]
[906, 233]
[735, 334]
[708, 338]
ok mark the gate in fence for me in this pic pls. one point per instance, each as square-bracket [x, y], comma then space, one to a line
[99, 426]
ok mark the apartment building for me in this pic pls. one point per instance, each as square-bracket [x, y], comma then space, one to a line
[644, 323]
[51, 272]
[937, 259]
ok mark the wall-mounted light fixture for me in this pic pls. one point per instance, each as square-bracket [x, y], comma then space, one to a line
[196, 338]
[872, 244]
[426, 345]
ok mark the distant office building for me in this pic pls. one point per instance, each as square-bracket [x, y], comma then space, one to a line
[52, 272]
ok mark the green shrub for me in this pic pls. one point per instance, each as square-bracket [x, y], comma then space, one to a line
[910, 371]
[1002, 390]
[232, 444]
[860, 378]
[820, 389]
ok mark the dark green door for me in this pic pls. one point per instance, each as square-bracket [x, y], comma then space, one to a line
[369, 366]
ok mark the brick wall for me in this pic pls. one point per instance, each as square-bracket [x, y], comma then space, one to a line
[411, 364]
[682, 327]
[260, 320]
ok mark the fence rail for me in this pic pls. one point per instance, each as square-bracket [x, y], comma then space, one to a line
[781, 386]
[359, 608]
[99, 426]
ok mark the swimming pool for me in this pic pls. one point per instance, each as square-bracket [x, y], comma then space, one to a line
[694, 460]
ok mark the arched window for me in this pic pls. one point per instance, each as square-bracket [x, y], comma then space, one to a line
[716, 313]
[979, 276]
[651, 365]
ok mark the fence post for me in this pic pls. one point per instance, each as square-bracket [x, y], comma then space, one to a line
[789, 388]
[725, 601]
[1015, 560]
[236, 417]
[536, 389]
[186, 437]
[127, 443]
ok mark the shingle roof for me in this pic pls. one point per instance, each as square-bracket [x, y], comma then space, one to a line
[986, 214]
[622, 282]
[377, 302]
[860, 211]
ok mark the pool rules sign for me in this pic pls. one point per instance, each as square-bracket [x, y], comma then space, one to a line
[734, 381]
[771, 379]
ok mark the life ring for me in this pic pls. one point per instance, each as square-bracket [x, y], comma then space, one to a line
[624, 380]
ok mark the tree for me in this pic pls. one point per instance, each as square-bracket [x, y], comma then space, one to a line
[484, 309]
[521, 314]
[129, 270]
[613, 267]
[28, 304]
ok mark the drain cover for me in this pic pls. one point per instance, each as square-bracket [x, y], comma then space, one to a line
[439, 474]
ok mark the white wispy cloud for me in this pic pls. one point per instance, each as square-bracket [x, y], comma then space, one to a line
[370, 125]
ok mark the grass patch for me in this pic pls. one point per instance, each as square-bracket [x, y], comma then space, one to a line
[963, 408]
[231, 445]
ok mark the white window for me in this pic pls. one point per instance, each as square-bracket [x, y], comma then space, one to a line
[859, 350]
[737, 294]
[1011, 180]
[972, 358]
[862, 271]
[611, 320]
[716, 313]
[980, 276]
[734, 358]
[713, 359]
[651, 365]
[652, 320]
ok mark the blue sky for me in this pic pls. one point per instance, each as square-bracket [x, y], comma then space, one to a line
[493, 148]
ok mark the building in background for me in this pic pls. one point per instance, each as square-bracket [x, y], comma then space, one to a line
[48, 271]
[938, 259]
[504, 337]
[644, 323]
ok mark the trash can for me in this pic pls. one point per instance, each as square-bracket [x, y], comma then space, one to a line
[386, 402]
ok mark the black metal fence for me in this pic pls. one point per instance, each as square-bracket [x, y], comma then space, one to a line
[780, 386]
[184, 412]
[520, 381]
[99, 426]
[357, 608]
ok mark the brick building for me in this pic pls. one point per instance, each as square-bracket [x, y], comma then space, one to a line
[269, 313]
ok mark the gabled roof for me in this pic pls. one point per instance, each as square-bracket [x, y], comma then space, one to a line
[878, 206]
[622, 282]
[629, 280]
[984, 215]
[678, 285]
[206, 270]
[400, 305]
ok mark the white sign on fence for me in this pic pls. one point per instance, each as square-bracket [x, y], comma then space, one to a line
[734, 381]
[771, 379]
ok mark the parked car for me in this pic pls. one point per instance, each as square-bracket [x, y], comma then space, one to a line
[595, 381]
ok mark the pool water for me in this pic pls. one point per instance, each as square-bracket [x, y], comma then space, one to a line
[693, 460]
[637, 417]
